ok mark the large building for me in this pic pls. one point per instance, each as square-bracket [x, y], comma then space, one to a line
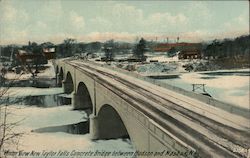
[49, 53]
[187, 50]
[190, 53]
[29, 57]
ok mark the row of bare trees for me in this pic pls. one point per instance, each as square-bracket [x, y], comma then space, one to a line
[111, 48]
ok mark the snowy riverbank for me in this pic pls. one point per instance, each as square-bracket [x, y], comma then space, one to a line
[49, 129]
[35, 117]
[225, 85]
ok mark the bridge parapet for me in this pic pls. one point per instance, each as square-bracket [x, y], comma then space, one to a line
[208, 100]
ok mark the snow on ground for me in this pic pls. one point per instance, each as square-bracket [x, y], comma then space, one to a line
[30, 91]
[14, 76]
[47, 73]
[232, 89]
[66, 95]
[50, 72]
[64, 141]
[163, 58]
[225, 82]
[35, 117]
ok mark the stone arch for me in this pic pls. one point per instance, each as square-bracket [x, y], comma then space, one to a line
[68, 83]
[82, 99]
[110, 124]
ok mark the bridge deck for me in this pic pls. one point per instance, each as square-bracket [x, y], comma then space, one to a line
[196, 123]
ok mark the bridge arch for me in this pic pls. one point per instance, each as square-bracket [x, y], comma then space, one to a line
[82, 99]
[110, 124]
[68, 83]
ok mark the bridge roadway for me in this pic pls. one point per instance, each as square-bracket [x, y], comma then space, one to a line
[173, 121]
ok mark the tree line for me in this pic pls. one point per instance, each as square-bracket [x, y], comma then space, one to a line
[70, 47]
[228, 48]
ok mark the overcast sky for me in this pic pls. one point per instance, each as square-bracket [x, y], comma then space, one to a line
[55, 20]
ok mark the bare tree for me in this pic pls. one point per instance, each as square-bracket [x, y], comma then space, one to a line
[70, 47]
[8, 135]
[109, 47]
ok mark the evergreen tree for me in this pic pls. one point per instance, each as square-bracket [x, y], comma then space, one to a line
[140, 49]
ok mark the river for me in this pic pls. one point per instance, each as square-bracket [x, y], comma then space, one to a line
[228, 86]
[49, 124]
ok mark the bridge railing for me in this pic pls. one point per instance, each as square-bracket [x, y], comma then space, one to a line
[208, 100]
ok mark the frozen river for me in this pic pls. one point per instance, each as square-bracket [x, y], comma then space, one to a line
[228, 86]
[49, 123]
[51, 126]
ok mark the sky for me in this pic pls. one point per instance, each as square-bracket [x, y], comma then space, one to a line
[55, 20]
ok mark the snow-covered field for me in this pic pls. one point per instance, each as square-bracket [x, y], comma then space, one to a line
[47, 73]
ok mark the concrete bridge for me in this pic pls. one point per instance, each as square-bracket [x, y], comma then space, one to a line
[156, 119]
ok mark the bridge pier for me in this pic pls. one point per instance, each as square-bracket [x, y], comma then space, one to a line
[75, 101]
[93, 127]
[67, 86]
[58, 80]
